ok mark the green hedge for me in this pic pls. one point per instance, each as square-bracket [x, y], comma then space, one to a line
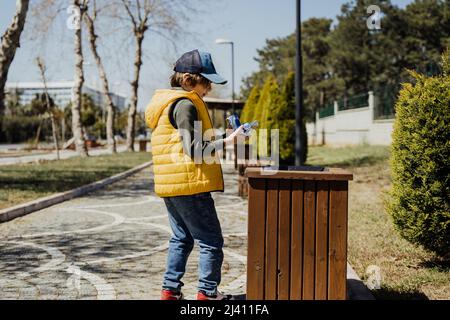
[15, 129]
[274, 108]
[419, 200]
[248, 111]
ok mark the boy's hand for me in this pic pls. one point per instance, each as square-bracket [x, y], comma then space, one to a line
[233, 134]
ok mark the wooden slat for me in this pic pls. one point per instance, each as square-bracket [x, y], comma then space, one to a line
[338, 240]
[321, 272]
[284, 238]
[309, 240]
[256, 238]
[296, 240]
[271, 240]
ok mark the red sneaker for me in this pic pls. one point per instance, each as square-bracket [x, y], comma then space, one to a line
[171, 295]
[218, 296]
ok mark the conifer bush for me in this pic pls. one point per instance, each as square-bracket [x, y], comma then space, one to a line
[248, 111]
[285, 122]
[419, 200]
[274, 108]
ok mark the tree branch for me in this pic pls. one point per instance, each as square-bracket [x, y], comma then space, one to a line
[138, 3]
[130, 14]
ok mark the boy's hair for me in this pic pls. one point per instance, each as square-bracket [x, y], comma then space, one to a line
[190, 81]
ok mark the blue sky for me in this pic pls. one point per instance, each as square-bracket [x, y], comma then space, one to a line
[247, 22]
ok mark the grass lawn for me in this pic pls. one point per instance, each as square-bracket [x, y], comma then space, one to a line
[408, 272]
[25, 182]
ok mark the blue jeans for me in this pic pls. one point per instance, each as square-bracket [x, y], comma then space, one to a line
[194, 217]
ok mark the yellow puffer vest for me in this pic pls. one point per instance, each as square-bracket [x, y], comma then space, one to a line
[175, 173]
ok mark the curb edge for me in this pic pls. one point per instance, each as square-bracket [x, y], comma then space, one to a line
[20, 210]
[356, 289]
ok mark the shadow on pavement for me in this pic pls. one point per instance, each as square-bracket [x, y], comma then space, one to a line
[125, 189]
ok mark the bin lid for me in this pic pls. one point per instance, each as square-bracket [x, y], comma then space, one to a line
[299, 172]
[295, 168]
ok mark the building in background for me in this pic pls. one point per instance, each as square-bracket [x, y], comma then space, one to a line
[61, 93]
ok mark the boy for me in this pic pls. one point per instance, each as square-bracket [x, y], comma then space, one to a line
[182, 179]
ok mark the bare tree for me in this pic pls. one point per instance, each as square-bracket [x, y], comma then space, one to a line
[159, 16]
[90, 25]
[77, 129]
[50, 112]
[140, 26]
[10, 41]
[45, 14]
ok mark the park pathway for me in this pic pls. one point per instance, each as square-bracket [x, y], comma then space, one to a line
[111, 244]
[63, 154]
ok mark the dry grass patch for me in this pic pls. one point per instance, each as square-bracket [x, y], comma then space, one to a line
[408, 272]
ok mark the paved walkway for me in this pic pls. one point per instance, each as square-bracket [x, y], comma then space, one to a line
[111, 244]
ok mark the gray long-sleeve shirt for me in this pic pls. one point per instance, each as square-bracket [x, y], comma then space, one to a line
[182, 115]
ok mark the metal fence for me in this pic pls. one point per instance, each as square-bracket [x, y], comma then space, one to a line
[327, 111]
[354, 102]
[385, 99]
[384, 108]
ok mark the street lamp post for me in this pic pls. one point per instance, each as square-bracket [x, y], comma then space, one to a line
[225, 41]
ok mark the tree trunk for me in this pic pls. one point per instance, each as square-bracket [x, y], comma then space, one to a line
[63, 131]
[104, 79]
[48, 106]
[134, 91]
[38, 133]
[10, 41]
[77, 130]
[55, 133]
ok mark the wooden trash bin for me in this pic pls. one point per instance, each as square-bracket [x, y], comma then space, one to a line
[143, 145]
[297, 233]
[243, 180]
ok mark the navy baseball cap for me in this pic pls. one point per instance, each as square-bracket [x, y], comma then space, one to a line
[199, 62]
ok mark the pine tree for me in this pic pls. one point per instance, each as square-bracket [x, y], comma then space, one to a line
[268, 103]
[263, 97]
[248, 111]
[268, 96]
[285, 120]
